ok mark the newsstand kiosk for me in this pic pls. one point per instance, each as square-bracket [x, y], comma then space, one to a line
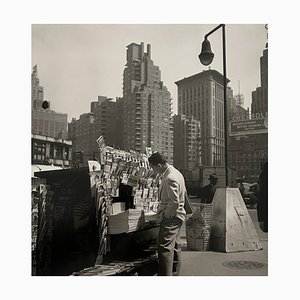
[99, 219]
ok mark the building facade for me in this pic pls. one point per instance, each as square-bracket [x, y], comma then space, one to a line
[45, 122]
[105, 119]
[202, 96]
[105, 124]
[187, 145]
[81, 133]
[260, 95]
[49, 123]
[120, 133]
[248, 152]
[37, 91]
[246, 155]
[50, 151]
[147, 104]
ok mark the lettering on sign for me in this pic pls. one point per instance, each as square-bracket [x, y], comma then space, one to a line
[249, 126]
[260, 115]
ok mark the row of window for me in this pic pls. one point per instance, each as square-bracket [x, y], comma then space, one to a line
[40, 149]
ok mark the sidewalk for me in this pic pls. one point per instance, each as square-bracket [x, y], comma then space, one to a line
[209, 263]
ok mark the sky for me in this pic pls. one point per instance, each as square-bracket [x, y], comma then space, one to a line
[78, 62]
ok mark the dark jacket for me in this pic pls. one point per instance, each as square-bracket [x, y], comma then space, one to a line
[262, 204]
[207, 193]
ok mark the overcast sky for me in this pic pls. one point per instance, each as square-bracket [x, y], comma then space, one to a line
[76, 63]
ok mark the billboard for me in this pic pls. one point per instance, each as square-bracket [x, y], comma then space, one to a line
[248, 126]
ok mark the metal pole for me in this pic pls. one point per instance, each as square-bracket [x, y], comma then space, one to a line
[212, 31]
[225, 96]
[225, 105]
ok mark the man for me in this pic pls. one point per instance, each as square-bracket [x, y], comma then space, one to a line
[241, 187]
[262, 203]
[171, 214]
[207, 192]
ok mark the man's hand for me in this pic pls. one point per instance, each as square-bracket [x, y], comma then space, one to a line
[160, 218]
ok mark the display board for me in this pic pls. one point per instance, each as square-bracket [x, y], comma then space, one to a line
[125, 189]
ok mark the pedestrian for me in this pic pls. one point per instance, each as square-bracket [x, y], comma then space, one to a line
[208, 191]
[262, 203]
[241, 187]
[171, 214]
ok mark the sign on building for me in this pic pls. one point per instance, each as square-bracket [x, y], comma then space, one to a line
[248, 126]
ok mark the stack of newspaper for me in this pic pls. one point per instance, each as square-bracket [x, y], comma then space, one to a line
[126, 221]
[151, 216]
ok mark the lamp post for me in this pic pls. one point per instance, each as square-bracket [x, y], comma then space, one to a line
[206, 57]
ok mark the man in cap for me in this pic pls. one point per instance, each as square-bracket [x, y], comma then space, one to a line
[207, 192]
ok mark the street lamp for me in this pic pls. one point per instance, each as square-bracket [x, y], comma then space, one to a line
[206, 57]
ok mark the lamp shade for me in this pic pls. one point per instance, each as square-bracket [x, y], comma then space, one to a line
[206, 56]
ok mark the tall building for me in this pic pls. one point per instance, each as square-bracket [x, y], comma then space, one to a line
[104, 119]
[247, 152]
[45, 122]
[147, 104]
[49, 123]
[260, 95]
[37, 91]
[81, 132]
[202, 96]
[187, 145]
[105, 114]
[120, 123]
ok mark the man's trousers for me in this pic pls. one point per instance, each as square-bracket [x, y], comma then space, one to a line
[169, 248]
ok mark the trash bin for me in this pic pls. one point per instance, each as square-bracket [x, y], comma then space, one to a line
[198, 228]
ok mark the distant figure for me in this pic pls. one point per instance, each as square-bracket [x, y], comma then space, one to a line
[241, 186]
[262, 203]
[207, 192]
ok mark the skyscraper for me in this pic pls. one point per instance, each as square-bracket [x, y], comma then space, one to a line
[105, 112]
[202, 96]
[103, 119]
[37, 91]
[81, 133]
[260, 95]
[45, 122]
[147, 104]
[187, 145]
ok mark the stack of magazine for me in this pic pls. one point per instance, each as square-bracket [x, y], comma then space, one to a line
[127, 221]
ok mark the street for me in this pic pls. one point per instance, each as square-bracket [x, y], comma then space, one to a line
[210, 263]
